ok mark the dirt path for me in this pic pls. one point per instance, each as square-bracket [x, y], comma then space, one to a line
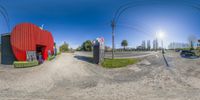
[74, 77]
[22, 82]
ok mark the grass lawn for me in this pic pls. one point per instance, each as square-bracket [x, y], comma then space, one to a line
[117, 63]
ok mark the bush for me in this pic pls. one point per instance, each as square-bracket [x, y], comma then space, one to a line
[58, 53]
[51, 58]
[25, 64]
[198, 51]
[183, 49]
[64, 47]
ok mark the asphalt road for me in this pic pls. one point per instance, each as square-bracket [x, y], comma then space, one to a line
[74, 77]
[134, 54]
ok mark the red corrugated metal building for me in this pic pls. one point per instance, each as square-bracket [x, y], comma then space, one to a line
[29, 37]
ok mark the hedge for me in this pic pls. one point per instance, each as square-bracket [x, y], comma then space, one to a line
[198, 51]
[51, 58]
[58, 53]
[25, 64]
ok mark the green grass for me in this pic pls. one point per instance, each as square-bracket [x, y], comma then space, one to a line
[117, 63]
[25, 64]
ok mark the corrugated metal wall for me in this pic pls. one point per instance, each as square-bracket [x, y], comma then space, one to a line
[7, 56]
[26, 36]
[23, 39]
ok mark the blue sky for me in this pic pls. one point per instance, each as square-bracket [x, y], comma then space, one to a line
[75, 21]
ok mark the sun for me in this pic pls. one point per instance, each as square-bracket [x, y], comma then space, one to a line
[160, 34]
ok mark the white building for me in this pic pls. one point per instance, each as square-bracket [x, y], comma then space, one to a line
[149, 45]
[198, 43]
[143, 45]
[155, 44]
[176, 45]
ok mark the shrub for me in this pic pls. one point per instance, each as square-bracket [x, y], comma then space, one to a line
[64, 47]
[51, 58]
[58, 53]
[25, 64]
[183, 49]
[198, 51]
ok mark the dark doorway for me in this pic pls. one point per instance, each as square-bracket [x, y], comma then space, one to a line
[40, 52]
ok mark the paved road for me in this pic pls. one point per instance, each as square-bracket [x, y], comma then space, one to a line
[134, 54]
[74, 77]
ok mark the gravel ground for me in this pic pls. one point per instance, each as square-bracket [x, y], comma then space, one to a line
[73, 77]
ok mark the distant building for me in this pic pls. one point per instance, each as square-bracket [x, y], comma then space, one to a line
[155, 44]
[107, 48]
[197, 44]
[148, 45]
[175, 45]
[143, 45]
[139, 48]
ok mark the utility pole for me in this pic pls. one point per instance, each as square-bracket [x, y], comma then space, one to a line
[113, 25]
[162, 47]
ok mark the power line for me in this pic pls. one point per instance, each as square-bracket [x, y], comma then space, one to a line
[5, 15]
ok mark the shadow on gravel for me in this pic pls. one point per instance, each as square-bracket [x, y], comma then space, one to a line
[166, 62]
[84, 58]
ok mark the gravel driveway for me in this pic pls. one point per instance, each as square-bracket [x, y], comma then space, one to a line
[74, 77]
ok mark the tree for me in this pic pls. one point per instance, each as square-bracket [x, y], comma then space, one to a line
[64, 47]
[79, 48]
[192, 40]
[87, 45]
[124, 43]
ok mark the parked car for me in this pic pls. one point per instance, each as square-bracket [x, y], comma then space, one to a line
[177, 50]
[187, 53]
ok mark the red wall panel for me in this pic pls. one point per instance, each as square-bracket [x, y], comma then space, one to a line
[26, 36]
